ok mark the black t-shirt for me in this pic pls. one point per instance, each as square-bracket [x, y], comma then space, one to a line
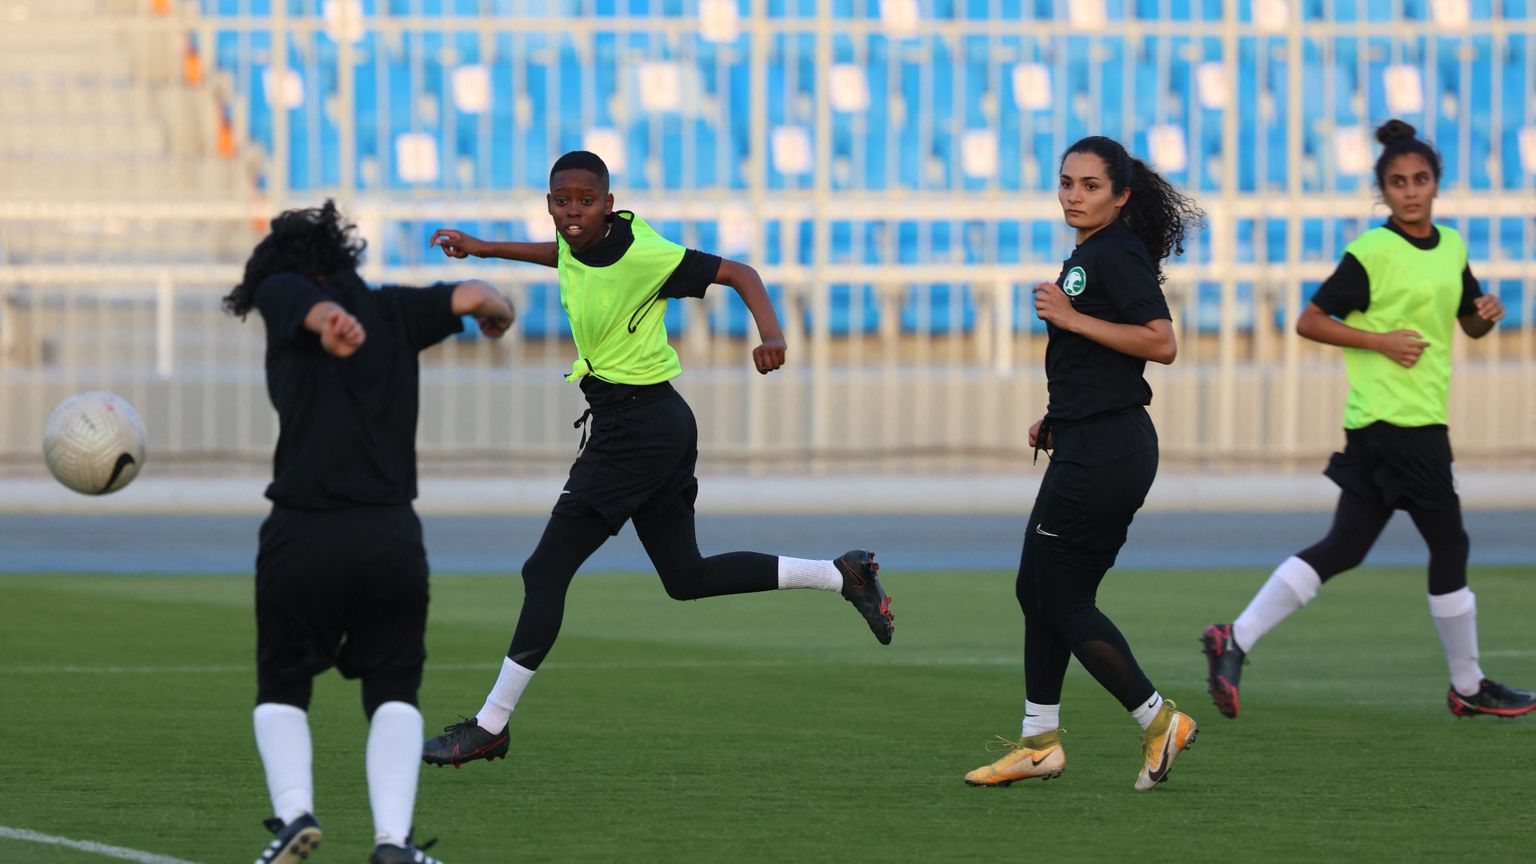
[347, 427]
[1111, 277]
[1349, 288]
[691, 278]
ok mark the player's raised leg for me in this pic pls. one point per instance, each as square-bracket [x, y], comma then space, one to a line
[666, 527]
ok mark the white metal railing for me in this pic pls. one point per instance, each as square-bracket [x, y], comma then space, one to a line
[110, 272]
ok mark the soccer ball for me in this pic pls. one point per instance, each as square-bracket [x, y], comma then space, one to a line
[94, 443]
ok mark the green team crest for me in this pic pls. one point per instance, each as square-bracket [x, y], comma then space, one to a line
[1074, 282]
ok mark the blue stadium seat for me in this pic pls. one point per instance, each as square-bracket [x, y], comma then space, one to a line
[1516, 303]
[851, 309]
[1207, 307]
[731, 318]
[1024, 309]
[938, 309]
[541, 316]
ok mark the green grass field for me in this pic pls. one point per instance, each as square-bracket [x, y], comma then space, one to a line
[773, 728]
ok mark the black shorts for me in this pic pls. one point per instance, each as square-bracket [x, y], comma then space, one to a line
[640, 457]
[344, 588]
[1398, 467]
[1101, 470]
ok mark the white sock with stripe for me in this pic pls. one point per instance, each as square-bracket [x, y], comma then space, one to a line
[1291, 586]
[804, 573]
[282, 738]
[394, 763]
[1039, 719]
[498, 707]
[1455, 616]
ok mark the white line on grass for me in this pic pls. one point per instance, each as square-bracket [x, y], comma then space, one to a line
[779, 663]
[553, 664]
[89, 846]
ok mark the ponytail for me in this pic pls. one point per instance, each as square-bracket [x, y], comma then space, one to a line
[1157, 213]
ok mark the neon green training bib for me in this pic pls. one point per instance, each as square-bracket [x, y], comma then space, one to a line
[1411, 289]
[615, 312]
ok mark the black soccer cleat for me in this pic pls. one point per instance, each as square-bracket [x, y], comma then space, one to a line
[410, 853]
[861, 587]
[293, 842]
[465, 742]
[1226, 667]
[1491, 698]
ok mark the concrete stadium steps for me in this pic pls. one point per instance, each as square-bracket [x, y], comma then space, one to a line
[104, 179]
[113, 241]
[108, 113]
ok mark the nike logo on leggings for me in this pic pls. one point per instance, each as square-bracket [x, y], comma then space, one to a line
[1044, 533]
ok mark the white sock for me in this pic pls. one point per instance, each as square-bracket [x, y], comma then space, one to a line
[394, 761]
[1455, 616]
[1292, 586]
[1039, 719]
[1148, 710]
[804, 573]
[282, 738]
[503, 697]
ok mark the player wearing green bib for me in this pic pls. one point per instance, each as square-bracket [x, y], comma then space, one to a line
[1390, 306]
[616, 277]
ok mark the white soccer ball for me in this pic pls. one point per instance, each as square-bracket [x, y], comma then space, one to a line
[94, 443]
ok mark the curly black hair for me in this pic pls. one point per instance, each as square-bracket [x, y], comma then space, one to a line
[1156, 212]
[1400, 139]
[312, 241]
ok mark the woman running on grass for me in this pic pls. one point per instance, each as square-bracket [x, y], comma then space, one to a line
[1106, 317]
[1390, 305]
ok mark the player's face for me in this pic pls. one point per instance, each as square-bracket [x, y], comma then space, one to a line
[1087, 202]
[580, 203]
[1409, 188]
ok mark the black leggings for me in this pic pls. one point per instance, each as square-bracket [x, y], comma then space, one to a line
[1097, 480]
[1358, 521]
[669, 540]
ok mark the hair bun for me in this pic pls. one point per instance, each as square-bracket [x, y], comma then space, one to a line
[1395, 130]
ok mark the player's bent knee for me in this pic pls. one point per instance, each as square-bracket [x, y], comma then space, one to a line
[682, 589]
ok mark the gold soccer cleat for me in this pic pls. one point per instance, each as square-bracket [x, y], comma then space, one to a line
[1036, 756]
[1170, 734]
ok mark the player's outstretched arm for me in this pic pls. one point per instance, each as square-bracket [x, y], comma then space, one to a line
[457, 244]
[340, 333]
[749, 285]
[492, 311]
[1404, 347]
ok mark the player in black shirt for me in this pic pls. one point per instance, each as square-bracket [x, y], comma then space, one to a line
[341, 573]
[1106, 316]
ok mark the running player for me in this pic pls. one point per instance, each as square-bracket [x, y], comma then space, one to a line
[1106, 317]
[341, 573]
[616, 275]
[1390, 306]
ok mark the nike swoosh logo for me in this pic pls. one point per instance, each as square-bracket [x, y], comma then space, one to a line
[1044, 533]
[1037, 762]
[856, 576]
[1162, 769]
